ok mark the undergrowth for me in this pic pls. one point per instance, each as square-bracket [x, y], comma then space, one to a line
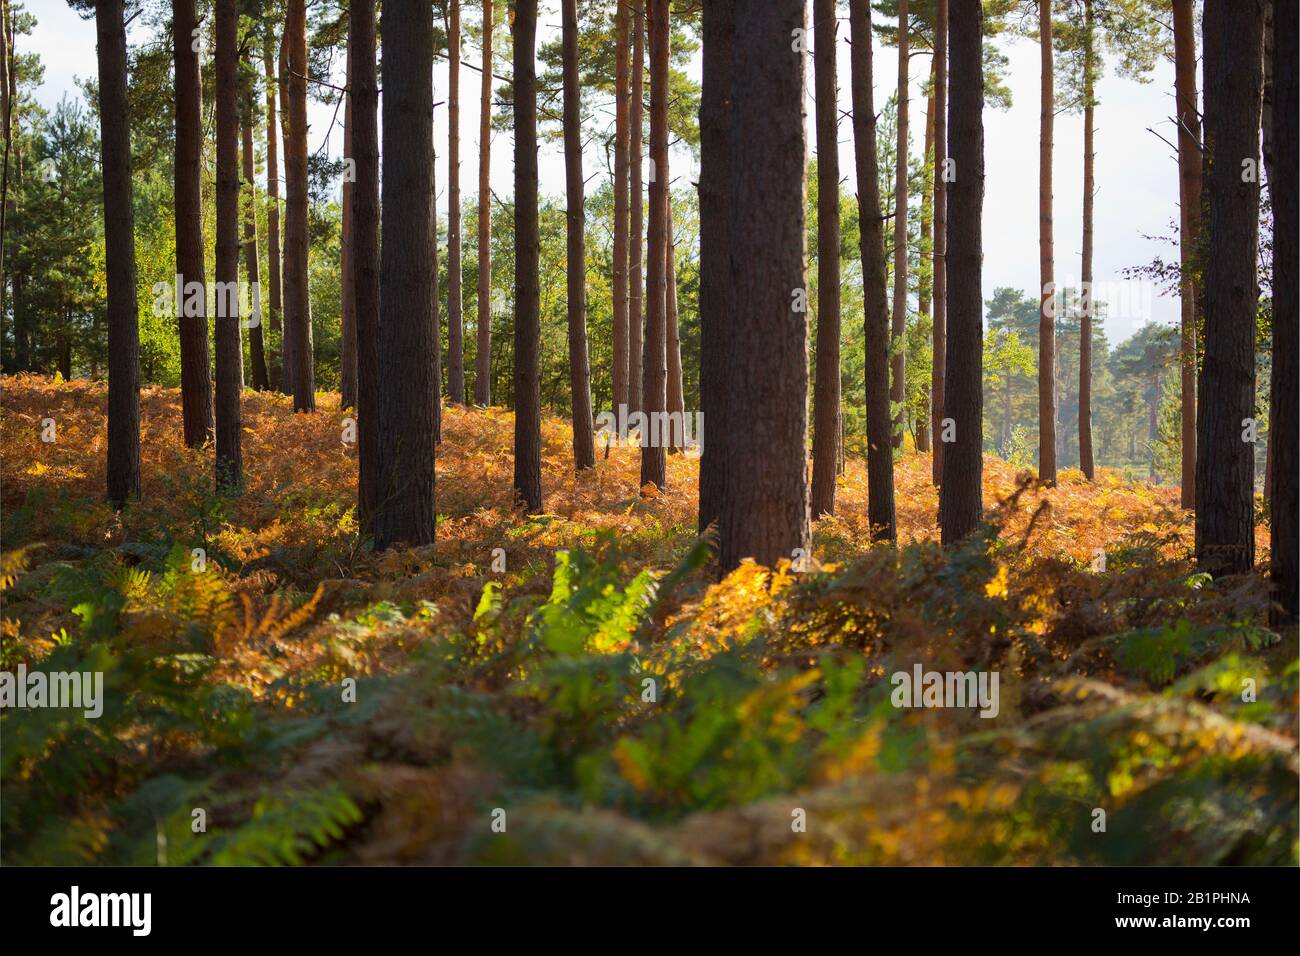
[287, 696]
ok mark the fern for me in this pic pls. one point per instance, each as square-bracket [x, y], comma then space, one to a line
[288, 830]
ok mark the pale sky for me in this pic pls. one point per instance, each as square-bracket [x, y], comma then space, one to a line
[1137, 183]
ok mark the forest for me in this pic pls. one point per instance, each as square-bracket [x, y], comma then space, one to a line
[596, 432]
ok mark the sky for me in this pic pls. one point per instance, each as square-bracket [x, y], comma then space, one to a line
[1136, 173]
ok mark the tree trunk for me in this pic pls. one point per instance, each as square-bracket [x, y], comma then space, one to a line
[584, 452]
[925, 288]
[347, 269]
[365, 255]
[297, 303]
[288, 261]
[715, 299]
[1046, 276]
[432, 265]
[636, 233]
[528, 395]
[22, 348]
[960, 493]
[622, 165]
[765, 512]
[1189, 201]
[483, 356]
[1285, 397]
[408, 342]
[256, 345]
[229, 353]
[654, 395]
[1225, 465]
[898, 392]
[1089, 191]
[676, 391]
[940, 332]
[196, 374]
[880, 453]
[276, 363]
[826, 397]
[6, 131]
[455, 308]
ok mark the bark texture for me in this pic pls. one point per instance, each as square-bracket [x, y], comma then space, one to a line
[365, 255]
[826, 398]
[765, 510]
[528, 397]
[1225, 463]
[654, 396]
[119, 253]
[408, 342]
[229, 352]
[584, 452]
[880, 452]
[196, 370]
[960, 492]
[715, 253]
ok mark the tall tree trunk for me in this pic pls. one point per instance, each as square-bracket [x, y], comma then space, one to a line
[654, 395]
[256, 345]
[765, 512]
[940, 332]
[22, 344]
[483, 356]
[584, 451]
[960, 496]
[715, 253]
[348, 292]
[826, 396]
[1285, 384]
[925, 284]
[1046, 275]
[1089, 192]
[676, 391]
[432, 266]
[1189, 202]
[276, 363]
[297, 303]
[1225, 465]
[528, 395]
[898, 333]
[636, 231]
[880, 453]
[365, 255]
[622, 165]
[455, 308]
[196, 374]
[6, 132]
[229, 353]
[408, 342]
[288, 261]
[119, 251]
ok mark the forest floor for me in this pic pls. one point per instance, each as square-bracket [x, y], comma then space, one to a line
[590, 693]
